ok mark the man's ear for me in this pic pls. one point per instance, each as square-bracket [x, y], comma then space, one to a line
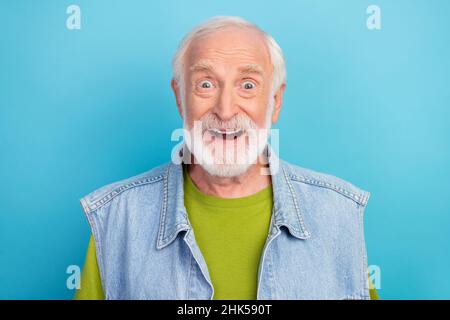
[278, 101]
[176, 91]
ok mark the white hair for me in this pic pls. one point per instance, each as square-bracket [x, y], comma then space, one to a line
[218, 23]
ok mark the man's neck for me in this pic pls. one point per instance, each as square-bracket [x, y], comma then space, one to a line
[251, 182]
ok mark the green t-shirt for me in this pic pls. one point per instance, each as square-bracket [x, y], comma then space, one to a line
[90, 283]
[230, 233]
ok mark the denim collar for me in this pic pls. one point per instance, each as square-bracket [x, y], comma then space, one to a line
[286, 206]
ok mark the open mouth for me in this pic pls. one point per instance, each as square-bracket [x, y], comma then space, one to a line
[226, 134]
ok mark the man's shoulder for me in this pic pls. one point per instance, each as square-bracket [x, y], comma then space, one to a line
[106, 193]
[317, 179]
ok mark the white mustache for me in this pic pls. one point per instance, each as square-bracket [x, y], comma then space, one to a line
[235, 125]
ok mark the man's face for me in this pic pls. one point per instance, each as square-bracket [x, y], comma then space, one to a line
[227, 85]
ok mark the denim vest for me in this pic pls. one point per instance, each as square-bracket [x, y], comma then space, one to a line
[146, 246]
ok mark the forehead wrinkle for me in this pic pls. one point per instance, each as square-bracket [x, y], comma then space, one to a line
[240, 43]
[235, 50]
[205, 65]
[236, 55]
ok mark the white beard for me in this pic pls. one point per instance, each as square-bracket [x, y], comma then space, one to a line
[233, 159]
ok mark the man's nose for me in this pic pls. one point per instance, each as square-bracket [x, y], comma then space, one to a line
[226, 106]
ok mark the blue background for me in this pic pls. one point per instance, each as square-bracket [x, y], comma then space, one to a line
[83, 108]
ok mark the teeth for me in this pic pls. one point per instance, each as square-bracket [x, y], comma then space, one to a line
[226, 134]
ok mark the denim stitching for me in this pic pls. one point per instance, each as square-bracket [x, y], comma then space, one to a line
[99, 203]
[285, 223]
[361, 199]
[99, 253]
[271, 274]
[191, 266]
[163, 209]
[299, 215]
[353, 297]
[365, 287]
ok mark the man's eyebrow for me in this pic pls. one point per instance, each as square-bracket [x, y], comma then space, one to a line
[252, 68]
[205, 65]
[202, 65]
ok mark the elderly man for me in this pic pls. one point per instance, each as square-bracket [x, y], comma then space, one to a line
[226, 218]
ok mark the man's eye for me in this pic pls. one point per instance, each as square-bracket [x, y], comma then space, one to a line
[248, 85]
[206, 84]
